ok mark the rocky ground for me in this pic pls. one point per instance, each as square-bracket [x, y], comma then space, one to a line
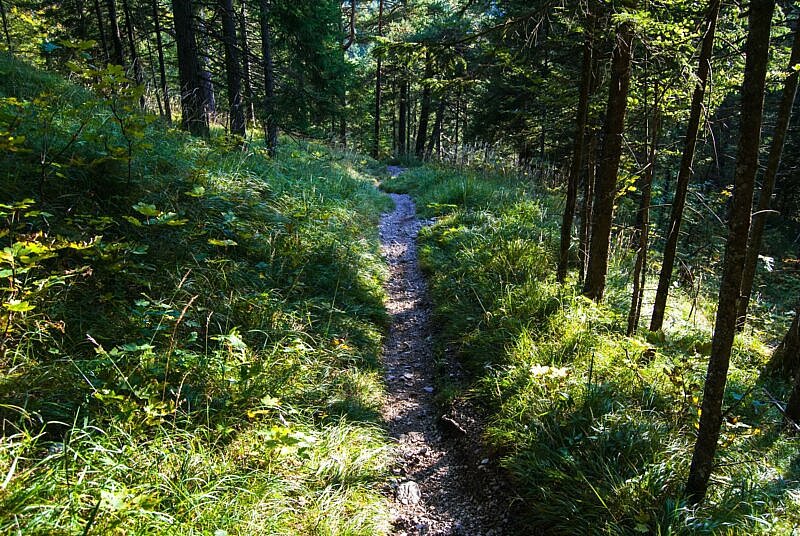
[444, 483]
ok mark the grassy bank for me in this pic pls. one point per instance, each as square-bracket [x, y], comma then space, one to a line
[595, 428]
[192, 330]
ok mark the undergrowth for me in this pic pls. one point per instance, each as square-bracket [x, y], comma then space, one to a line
[191, 330]
[594, 428]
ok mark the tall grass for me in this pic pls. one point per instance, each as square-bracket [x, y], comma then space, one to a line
[594, 428]
[201, 355]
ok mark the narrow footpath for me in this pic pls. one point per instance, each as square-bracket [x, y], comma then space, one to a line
[437, 488]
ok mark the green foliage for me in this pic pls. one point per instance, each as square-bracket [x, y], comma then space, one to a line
[595, 428]
[191, 331]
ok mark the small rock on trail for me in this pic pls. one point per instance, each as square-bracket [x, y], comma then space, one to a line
[438, 487]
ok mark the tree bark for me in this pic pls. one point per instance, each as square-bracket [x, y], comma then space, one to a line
[5, 26]
[606, 183]
[101, 29]
[193, 108]
[785, 359]
[351, 27]
[639, 269]
[587, 196]
[436, 133]
[376, 147]
[270, 125]
[116, 37]
[233, 71]
[685, 170]
[403, 117]
[250, 112]
[578, 149]
[207, 79]
[757, 51]
[162, 70]
[425, 107]
[768, 183]
[138, 72]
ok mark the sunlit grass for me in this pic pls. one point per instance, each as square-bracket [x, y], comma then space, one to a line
[215, 368]
[595, 428]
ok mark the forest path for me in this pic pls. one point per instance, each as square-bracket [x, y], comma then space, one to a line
[436, 489]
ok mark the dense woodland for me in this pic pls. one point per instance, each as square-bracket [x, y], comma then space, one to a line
[192, 310]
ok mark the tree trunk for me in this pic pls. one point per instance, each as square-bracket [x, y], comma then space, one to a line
[79, 7]
[250, 112]
[791, 345]
[138, 72]
[162, 70]
[578, 148]
[768, 183]
[153, 77]
[757, 51]
[116, 37]
[207, 79]
[5, 26]
[233, 71]
[458, 124]
[685, 170]
[351, 27]
[785, 360]
[101, 29]
[376, 147]
[639, 269]
[606, 184]
[586, 206]
[437, 128]
[270, 125]
[193, 109]
[425, 107]
[402, 117]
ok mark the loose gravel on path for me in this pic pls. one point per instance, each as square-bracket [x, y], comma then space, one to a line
[443, 484]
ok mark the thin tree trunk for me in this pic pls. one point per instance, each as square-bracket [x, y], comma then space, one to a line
[193, 108]
[250, 111]
[351, 27]
[116, 37]
[5, 26]
[437, 128]
[639, 269]
[138, 72]
[757, 51]
[207, 80]
[153, 77]
[578, 149]
[586, 206]
[270, 125]
[376, 147]
[685, 170]
[785, 360]
[101, 29]
[458, 123]
[403, 117]
[606, 184]
[343, 120]
[232, 68]
[162, 71]
[768, 183]
[425, 107]
[793, 404]
[79, 6]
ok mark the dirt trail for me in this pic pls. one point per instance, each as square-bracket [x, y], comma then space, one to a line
[443, 483]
